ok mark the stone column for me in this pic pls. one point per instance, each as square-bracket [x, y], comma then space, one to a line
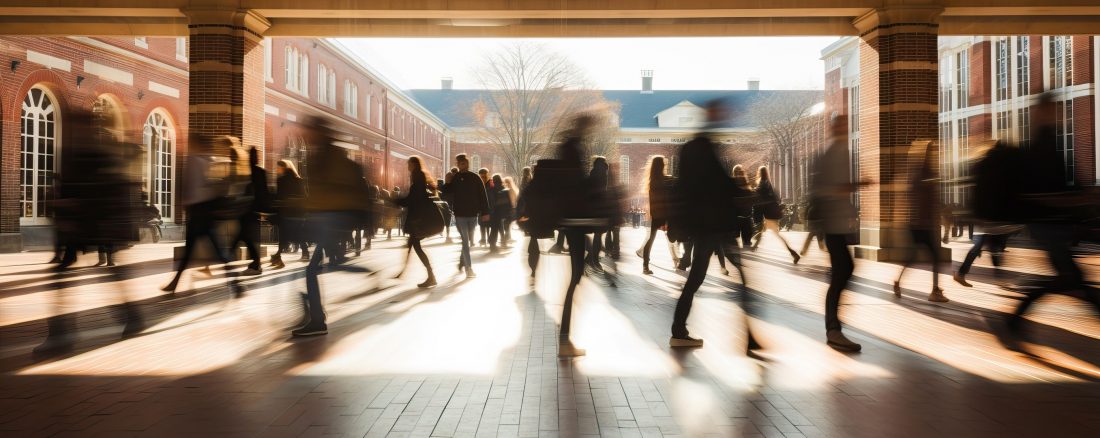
[898, 105]
[227, 74]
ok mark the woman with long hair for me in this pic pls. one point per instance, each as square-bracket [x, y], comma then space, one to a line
[512, 195]
[420, 208]
[657, 184]
[290, 193]
[769, 209]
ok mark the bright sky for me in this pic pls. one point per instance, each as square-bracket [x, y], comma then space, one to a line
[614, 63]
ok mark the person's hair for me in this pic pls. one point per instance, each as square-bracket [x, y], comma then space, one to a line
[738, 170]
[740, 177]
[462, 158]
[420, 172]
[528, 175]
[600, 170]
[289, 166]
[762, 175]
[655, 171]
[513, 191]
[497, 179]
[483, 170]
[253, 156]
[454, 170]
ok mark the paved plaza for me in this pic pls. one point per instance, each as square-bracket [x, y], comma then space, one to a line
[478, 357]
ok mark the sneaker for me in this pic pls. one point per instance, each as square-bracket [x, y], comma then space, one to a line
[567, 349]
[470, 273]
[430, 282]
[897, 289]
[686, 341]
[251, 272]
[556, 249]
[795, 256]
[311, 330]
[838, 341]
[639, 253]
[937, 296]
[961, 280]
[278, 264]
[646, 271]
[170, 287]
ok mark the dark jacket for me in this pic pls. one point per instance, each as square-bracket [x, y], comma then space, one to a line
[421, 214]
[335, 183]
[467, 194]
[290, 195]
[658, 200]
[767, 206]
[706, 195]
[502, 205]
[257, 187]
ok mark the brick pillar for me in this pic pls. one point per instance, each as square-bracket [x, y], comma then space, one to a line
[899, 104]
[227, 74]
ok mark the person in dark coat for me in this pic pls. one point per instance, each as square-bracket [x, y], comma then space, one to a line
[419, 206]
[770, 211]
[249, 222]
[658, 186]
[486, 226]
[469, 203]
[503, 209]
[706, 210]
[924, 226]
[290, 195]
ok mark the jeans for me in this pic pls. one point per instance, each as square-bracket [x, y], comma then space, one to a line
[927, 239]
[576, 270]
[839, 274]
[533, 254]
[328, 228]
[466, 232]
[703, 248]
[994, 243]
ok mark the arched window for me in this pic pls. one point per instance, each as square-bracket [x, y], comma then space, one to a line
[475, 163]
[39, 156]
[160, 144]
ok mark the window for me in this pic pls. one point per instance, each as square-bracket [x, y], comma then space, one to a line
[367, 107]
[1002, 69]
[1061, 61]
[1023, 65]
[142, 42]
[297, 71]
[679, 140]
[498, 164]
[268, 55]
[947, 84]
[160, 142]
[1004, 125]
[655, 140]
[624, 170]
[351, 98]
[673, 170]
[1023, 127]
[1063, 144]
[853, 110]
[39, 156]
[181, 48]
[961, 166]
[625, 140]
[475, 163]
[326, 86]
[962, 79]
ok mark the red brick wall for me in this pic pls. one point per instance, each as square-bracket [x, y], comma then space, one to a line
[980, 74]
[1084, 139]
[62, 85]
[1037, 67]
[1082, 59]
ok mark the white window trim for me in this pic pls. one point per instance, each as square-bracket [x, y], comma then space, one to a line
[57, 136]
[269, 58]
[170, 127]
[181, 55]
[142, 42]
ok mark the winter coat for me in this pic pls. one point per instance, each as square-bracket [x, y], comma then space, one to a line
[467, 193]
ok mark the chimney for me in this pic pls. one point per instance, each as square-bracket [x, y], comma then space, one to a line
[754, 84]
[647, 81]
[447, 83]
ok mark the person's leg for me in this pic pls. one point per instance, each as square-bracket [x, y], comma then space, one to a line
[996, 247]
[806, 243]
[910, 257]
[533, 254]
[466, 233]
[648, 248]
[685, 261]
[315, 310]
[495, 236]
[415, 244]
[973, 254]
[928, 241]
[576, 270]
[189, 242]
[594, 251]
[840, 273]
[702, 252]
[250, 234]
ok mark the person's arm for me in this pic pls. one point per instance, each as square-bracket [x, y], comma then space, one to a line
[482, 200]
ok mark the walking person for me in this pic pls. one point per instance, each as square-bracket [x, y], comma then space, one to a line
[249, 221]
[832, 193]
[500, 200]
[422, 217]
[813, 230]
[290, 194]
[485, 226]
[533, 219]
[334, 205]
[658, 186]
[509, 215]
[998, 177]
[770, 211]
[924, 224]
[467, 191]
[707, 208]
[202, 193]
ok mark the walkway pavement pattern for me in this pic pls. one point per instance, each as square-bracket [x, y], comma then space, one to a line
[477, 358]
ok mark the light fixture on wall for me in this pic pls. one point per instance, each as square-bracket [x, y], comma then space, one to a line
[79, 79]
[14, 64]
[141, 94]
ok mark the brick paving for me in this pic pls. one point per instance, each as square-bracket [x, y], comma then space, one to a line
[478, 357]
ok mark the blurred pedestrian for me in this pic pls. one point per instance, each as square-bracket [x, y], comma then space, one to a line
[467, 191]
[249, 221]
[485, 226]
[500, 202]
[924, 227]
[422, 218]
[658, 186]
[509, 215]
[770, 211]
[290, 194]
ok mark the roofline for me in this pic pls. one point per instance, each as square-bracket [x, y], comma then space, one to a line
[410, 104]
[839, 45]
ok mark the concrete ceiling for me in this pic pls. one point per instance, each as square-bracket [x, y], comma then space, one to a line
[545, 18]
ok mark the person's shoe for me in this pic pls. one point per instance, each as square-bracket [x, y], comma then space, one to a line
[430, 282]
[251, 272]
[837, 340]
[556, 249]
[448, 241]
[646, 270]
[676, 261]
[278, 264]
[205, 271]
[795, 256]
[305, 256]
[310, 329]
[567, 349]
[170, 287]
[686, 341]
[102, 261]
[960, 279]
[725, 271]
[639, 253]
[897, 289]
[470, 273]
[493, 249]
[937, 296]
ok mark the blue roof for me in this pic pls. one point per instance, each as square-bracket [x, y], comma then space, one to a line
[638, 110]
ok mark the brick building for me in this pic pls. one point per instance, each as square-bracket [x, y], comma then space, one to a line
[651, 122]
[987, 86]
[144, 83]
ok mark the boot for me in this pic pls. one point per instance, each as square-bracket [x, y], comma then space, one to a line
[277, 261]
[429, 283]
[102, 259]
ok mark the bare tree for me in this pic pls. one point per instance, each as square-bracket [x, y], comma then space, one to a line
[783, 116]
[530, 93]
